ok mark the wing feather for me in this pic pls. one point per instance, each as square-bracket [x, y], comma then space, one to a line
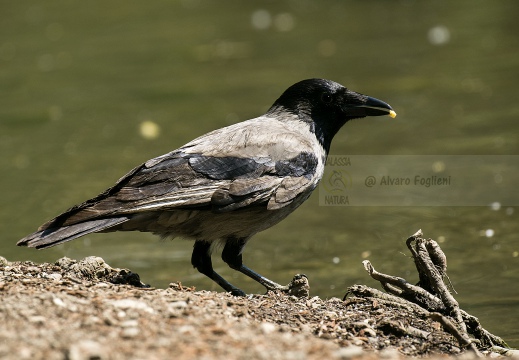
[260, 161]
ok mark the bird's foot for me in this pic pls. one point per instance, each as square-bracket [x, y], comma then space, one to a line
[298, 287]
[237, 292]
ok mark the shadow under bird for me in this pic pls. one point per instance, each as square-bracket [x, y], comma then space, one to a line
[227, 185]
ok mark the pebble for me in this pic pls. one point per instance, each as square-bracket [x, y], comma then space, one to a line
[267, 327]
[86, 349]
[181, 304]
[130, 332]
[330, 314]
[54, 276]
[37, 319]
[129, 323]
[58, 302]
[349, 352]
[187, 329]
[132, 304]
[389, 354]
[176, 308]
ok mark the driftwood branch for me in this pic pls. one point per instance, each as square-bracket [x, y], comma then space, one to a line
[431, 298]
[460, 334]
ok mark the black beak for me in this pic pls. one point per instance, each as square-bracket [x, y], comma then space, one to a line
[371, 107]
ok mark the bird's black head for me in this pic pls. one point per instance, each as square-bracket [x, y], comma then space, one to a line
[326, 106]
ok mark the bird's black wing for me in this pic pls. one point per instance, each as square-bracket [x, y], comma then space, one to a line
[282, 161]
[257, 181]
[246, 164]
[222, 183]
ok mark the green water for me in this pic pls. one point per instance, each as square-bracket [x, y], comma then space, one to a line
[77, 81]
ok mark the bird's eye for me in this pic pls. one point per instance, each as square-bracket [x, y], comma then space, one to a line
[326, 98]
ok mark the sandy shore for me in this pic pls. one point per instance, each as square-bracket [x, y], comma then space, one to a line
[87, 310]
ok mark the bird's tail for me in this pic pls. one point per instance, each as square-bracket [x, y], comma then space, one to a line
[57, 235]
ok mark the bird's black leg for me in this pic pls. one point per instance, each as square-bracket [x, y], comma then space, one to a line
[201, 260]
[231, 254]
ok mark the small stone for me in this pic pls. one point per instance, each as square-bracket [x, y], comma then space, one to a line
[130, 332]
[299, 286]
[109, 319]
[132, 304]
[86, 349]
[33, 269]
[54, 276]
[37, 319]
[368, 332]
[176, 308]
[181, 304]
[330, 314]
[187, 329]
[65, 262]
[3, 261]
[389, 354]
[129, 323]
[267, 327]
[58, 302]
[349, 352]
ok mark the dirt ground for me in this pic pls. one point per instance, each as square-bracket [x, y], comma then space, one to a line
[88, 310]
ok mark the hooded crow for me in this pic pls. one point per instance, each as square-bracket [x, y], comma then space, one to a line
[227, 185]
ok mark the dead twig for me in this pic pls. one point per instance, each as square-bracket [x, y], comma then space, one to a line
[363, 291]
[431, 295]
[462, 337]
[400, 287]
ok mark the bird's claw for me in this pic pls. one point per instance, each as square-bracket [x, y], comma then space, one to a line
[237, 292]
[298, 287]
